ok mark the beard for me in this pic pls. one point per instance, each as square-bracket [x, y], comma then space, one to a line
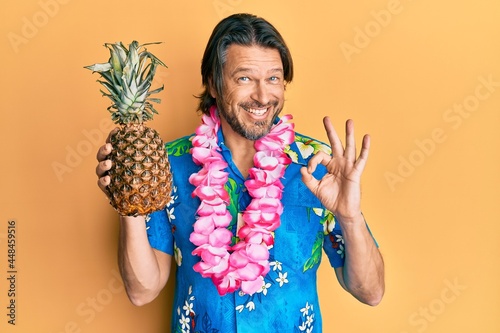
[259, 128]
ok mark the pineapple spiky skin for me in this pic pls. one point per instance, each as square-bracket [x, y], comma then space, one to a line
[140, 178]
[140, 173]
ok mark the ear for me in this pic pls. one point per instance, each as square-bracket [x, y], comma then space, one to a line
[211, 88]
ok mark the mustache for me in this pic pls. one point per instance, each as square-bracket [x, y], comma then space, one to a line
[257, 105]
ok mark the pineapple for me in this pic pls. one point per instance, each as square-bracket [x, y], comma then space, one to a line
[140, 175]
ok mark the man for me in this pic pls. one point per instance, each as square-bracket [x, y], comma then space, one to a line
[253, 203]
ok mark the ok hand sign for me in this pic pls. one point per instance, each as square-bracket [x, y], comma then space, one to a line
[339, 190]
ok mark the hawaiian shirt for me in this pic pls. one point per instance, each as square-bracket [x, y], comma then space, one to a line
[288, 302]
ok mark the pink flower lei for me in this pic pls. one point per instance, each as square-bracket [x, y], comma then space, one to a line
[244, 264]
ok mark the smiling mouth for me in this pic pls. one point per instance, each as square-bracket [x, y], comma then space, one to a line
[258, 109]
[257, 112]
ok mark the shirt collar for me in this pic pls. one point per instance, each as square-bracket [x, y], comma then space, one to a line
[293, 149]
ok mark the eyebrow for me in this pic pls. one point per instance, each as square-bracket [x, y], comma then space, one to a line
[250, 70]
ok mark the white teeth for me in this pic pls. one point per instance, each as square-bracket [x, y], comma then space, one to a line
[257, 112]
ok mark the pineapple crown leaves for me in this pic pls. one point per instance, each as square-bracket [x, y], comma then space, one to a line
[128, 76]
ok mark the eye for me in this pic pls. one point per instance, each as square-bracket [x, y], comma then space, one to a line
[244, 79]
[274, 79]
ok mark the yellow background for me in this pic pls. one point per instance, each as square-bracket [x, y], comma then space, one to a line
[398, 68]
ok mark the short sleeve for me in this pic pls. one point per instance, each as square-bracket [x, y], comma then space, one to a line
[333, 244]
[159, 232]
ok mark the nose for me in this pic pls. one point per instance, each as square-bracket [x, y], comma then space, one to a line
[261, 93]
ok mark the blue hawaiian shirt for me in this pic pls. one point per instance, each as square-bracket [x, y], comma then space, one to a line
[289, 300]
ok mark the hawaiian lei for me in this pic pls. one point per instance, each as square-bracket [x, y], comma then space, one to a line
[244, 264]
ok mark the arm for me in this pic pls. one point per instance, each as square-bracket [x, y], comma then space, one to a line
[340, 192]
[363, 271]
[144, 270]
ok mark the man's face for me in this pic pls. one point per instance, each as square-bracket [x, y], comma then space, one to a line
[253, 92]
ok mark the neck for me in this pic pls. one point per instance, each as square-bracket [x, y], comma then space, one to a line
[242, 149]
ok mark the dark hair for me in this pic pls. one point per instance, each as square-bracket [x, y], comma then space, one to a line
[240, 29]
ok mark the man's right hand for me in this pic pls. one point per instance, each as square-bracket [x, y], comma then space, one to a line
[104, 164]
[103, 167]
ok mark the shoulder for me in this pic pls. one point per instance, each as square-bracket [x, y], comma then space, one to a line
[180, 146]
[304, 147]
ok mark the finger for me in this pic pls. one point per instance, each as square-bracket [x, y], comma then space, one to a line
[108, 139]
[103, 182]
[363, 155]
[103, 152]
[333, 138]
[307, 173]
[350, 141]
[103, 167]
[319, 158]
[308, 179]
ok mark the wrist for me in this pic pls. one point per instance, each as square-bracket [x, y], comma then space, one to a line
[132, 220]
[351, 219]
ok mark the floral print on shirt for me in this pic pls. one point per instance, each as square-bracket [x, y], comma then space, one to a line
[306, 320]
[276, 278]
[288, 301]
